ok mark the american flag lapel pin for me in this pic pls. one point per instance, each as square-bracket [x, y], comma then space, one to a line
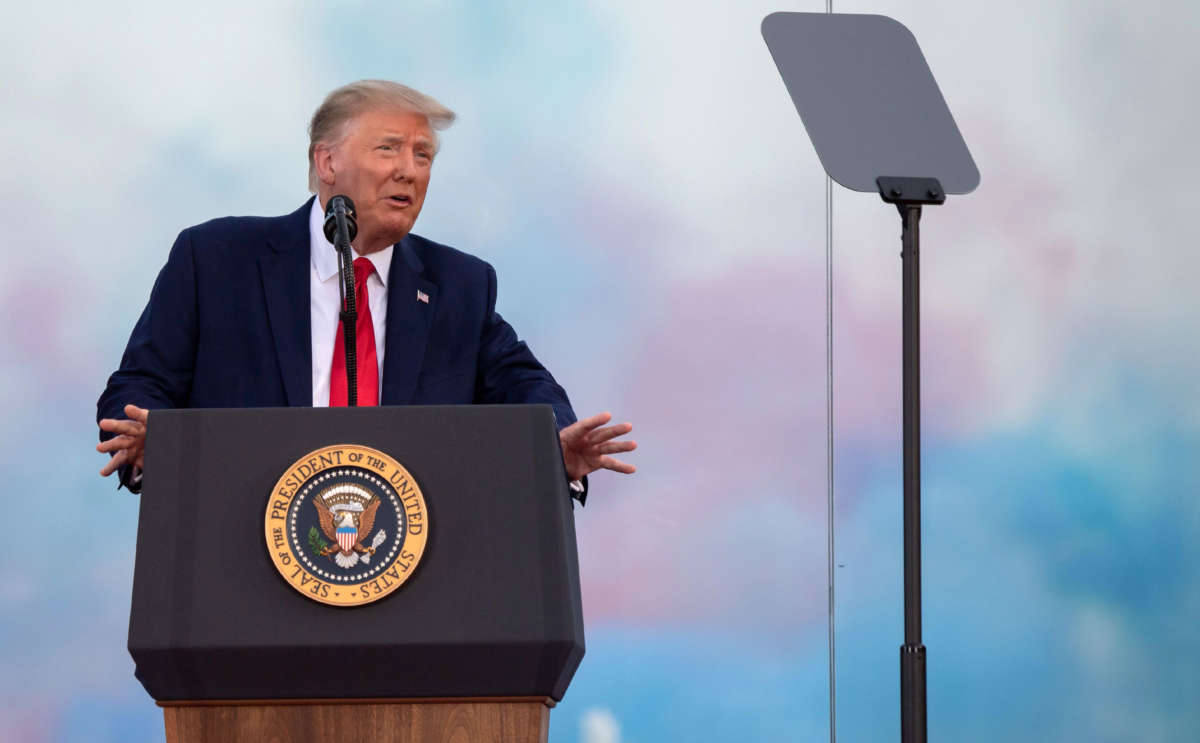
[422, 296]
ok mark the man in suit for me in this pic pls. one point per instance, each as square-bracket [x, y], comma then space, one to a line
[245, 311]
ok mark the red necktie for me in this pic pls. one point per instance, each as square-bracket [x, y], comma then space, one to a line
[364, 343]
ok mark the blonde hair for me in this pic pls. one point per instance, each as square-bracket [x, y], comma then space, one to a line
[342, 105]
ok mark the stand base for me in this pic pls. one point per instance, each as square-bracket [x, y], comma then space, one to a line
[912, 694]
[483, 719]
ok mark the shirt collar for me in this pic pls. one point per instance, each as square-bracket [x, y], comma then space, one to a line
[324, 257]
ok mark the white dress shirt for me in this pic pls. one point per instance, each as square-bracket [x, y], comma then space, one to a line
[325, 303]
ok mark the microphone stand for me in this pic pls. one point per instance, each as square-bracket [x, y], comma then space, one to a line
[349, 315]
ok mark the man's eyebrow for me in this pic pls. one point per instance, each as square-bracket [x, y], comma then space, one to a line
[421, 141]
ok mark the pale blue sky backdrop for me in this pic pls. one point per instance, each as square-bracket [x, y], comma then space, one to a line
[638, 176]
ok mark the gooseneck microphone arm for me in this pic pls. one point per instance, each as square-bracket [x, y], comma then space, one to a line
[340, 228]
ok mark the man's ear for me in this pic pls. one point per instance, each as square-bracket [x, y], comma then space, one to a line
[323, 160]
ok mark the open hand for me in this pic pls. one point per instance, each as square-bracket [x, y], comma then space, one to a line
[130, 441]
[586, 446]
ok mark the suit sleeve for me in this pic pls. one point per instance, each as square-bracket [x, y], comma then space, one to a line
[508, 370]
[156, 368]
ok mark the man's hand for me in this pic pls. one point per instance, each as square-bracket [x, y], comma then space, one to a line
[586, 446]
[130, 441]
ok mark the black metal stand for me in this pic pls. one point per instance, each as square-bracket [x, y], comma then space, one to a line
[909, 194]
[349, 317]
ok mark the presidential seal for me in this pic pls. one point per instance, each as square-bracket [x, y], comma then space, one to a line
[346, 525]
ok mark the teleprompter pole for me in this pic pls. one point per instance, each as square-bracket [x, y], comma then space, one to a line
[912, 653]
[908, 194]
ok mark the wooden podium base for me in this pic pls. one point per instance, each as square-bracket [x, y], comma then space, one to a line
[460, 720]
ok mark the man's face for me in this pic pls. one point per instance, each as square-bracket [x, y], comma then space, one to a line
[383, 165]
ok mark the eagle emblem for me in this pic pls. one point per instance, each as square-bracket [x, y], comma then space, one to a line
[346, 513]
[364, 533]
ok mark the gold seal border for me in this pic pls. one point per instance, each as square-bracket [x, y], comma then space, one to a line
[283, 495]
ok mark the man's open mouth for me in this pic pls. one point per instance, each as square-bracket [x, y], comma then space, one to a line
[400, 200]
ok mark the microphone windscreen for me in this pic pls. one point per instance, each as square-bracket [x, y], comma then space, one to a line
[335, 205]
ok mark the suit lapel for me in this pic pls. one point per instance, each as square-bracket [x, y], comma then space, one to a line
[409, 320]
[285, 277]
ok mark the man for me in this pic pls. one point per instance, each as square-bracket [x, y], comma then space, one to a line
[245, 311]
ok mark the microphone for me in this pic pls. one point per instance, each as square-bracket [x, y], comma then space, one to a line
[340, 221]
[340, 228]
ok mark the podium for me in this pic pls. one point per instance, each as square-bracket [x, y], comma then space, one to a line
[474, 639]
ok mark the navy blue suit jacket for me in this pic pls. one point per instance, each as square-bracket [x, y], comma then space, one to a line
[228, 325]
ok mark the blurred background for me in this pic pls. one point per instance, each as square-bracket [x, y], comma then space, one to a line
[638, 176]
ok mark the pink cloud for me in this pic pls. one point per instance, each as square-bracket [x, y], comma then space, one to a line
[725, 522]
